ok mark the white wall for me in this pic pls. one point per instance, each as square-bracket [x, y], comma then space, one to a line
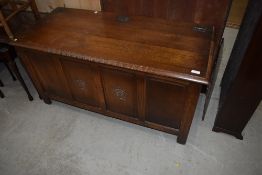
[49, 5]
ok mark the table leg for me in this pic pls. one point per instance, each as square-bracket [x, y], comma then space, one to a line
[10, 71]
[47, 100]
[1, 94]
[1, 84]
[191, 103]
[13, 67]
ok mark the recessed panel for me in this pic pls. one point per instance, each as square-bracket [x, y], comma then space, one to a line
[120, 92]
[83, 80]
[165, 103]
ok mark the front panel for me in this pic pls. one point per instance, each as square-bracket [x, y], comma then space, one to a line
[120, 90]
[165, 103]
[84, 82]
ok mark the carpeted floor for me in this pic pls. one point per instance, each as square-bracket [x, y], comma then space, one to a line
[57, 139]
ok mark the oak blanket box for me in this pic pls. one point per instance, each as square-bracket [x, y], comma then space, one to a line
[147, 71]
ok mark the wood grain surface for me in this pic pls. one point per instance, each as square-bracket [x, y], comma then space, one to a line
[144, 44]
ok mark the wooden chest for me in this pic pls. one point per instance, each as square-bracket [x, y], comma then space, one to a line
[148, 71]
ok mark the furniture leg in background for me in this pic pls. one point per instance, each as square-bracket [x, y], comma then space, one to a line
[34, 9]
[8, 55]
[1, 84]
[1, 93]
[10, 71]
[5, 26]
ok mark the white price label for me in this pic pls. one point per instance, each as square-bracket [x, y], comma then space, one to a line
[195, 72]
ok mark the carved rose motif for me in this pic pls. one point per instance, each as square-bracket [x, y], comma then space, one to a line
[120, 94]
[81, 84]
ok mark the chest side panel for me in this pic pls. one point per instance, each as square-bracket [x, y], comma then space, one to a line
[49, 72]
[165, 102]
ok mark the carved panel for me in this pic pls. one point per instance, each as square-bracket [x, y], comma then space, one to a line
[83, 82]
[120, 92]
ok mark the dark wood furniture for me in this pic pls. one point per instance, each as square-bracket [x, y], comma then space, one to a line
[7, 56]
[16, 6]
[148, 71]
[241, 87]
